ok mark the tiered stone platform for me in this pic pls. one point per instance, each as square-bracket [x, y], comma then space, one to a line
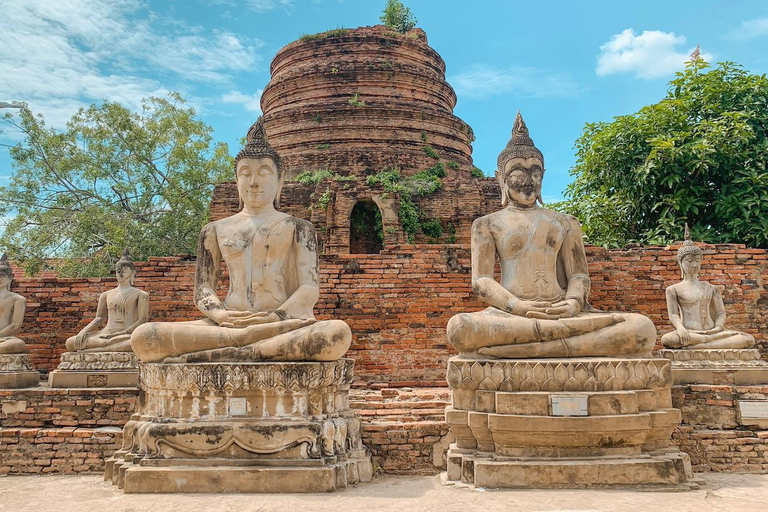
[16, 372]
[242, 427]
[96, 370]
[741, 367]
[564, 423]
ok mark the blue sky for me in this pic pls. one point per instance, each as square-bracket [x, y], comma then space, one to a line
[563, 63]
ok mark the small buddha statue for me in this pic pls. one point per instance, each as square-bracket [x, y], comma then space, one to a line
[696, 308]
[272, 260]
[124, 308]
[12, 308]
[539, 307]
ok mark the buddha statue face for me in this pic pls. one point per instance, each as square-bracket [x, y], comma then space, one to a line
[124, 274]
[690, 265]
[522, 179]
[5, 281]
[258, 182]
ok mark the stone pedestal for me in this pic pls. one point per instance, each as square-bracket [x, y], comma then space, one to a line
[96, 370]
[16, 372]
[563, 423]
[242, 427]
[739, 367]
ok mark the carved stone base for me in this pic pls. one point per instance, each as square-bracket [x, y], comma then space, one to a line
[16, 372]
[740, 367]
[563, 423]
[96, 370]
[242, 427]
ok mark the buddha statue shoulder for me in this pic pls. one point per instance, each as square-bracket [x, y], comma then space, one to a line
[539, 306]
[273, 266]
[12, 309]
[122, 309]
[696, 308]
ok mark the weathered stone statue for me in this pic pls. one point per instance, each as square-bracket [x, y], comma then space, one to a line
[12, 308]
[702, 351]
[546, 391]
[103, 357]
[124, 308]
[15, 370]
[254, 398]
[540, 308]
[273, 270]
[696, 308]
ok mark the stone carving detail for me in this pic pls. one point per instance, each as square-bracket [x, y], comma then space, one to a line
[559, 374]
[242, 377]
[714, 358]
[14, 363]
[98, 361]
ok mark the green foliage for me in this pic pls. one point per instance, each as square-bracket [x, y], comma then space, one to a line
[112, 179]
[398, 17]
[477, 173]
[313, 177]
[453, 164]
[325, 199]
[699, 155]
[423, 136]
[432, 228]
[337, 32]
[431, 153]
[356, 102]
[420, 184]
[323, 146]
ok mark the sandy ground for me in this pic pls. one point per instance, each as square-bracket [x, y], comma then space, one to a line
[722, 492]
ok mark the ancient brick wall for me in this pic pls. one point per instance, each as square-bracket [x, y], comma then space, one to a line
[399, 302]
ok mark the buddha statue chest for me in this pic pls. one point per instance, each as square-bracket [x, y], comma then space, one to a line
[528, 249]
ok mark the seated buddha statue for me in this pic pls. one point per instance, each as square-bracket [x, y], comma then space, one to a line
[696, 308]
[539, 307]
[272, 260]
[12, 308]
[124, 308]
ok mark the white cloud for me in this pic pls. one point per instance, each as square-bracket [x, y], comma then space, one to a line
[480, 82]
[750, 29]
[651, 54]
[251, 103]
[268, 5]
[59, 56]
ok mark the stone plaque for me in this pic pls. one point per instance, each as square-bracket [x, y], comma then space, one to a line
[237, 407]
[753, 409]
[568, 405]
[96, 381]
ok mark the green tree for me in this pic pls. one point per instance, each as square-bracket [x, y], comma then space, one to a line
[112, 179]
[698, 156]
[398, 17]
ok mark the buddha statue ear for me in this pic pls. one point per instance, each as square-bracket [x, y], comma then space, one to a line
[539, 199]
[503, 187]
[280, 182]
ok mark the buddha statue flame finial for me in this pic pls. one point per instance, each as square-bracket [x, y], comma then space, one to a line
[688, 247]
[257, 146]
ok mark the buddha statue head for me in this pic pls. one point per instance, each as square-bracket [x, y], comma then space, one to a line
[125, 270]
[520, 168]
[689, 256]
[259, 174]
[6, 273]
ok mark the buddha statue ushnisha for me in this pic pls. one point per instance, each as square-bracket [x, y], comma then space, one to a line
[12, 309]
[539, 307]
[696, 308]
[272, 260]
[124, 308]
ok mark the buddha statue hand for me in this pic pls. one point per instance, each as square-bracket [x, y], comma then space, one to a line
[684, 336]
[239, 319]
[715, 329]
[115, 334]
[542, 310]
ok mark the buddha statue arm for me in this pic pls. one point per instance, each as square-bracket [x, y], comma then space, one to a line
[574, 259]
[718, 310]
[485, 286]
[101, 316]
[302, 301]
[207, 276]
[19, 308]
[675, 318]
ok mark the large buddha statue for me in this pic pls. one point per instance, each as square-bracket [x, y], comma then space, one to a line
[273, 282]
[539, 307]
[12, 308]
[124, 308]
[696, 308]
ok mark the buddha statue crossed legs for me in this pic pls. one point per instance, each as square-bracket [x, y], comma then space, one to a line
[273, 271]
[539, 308]
[696, 309]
